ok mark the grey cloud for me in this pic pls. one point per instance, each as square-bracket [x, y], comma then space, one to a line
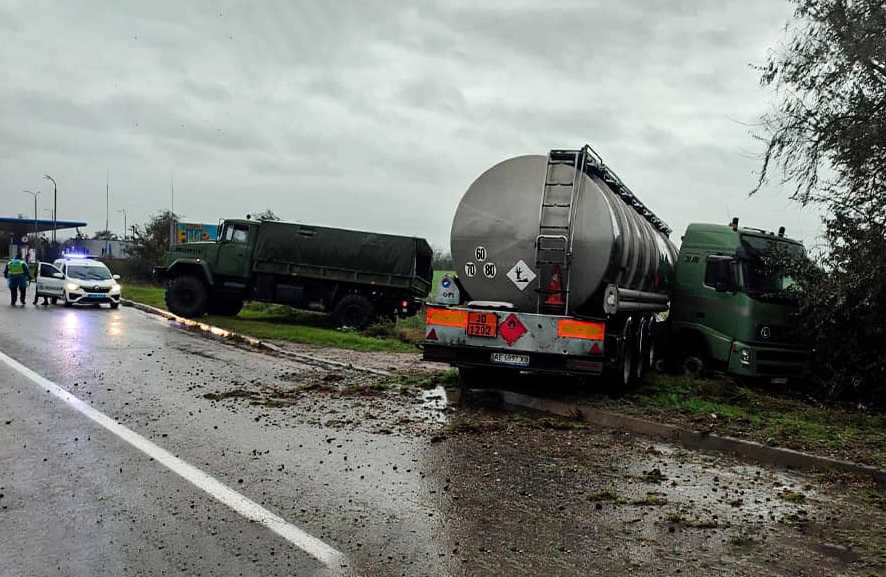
[376, 114]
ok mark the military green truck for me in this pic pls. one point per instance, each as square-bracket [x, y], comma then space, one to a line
[358, 277]
[729, 310]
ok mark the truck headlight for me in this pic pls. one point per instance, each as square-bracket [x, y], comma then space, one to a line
[744, 356]
[72, 286]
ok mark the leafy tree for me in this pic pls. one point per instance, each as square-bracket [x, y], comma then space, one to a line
[442, 260]
[827, 140]
[104, 235]
[266, 214]
[149, 243]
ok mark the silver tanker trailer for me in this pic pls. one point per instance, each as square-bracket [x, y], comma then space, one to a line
[561, 269]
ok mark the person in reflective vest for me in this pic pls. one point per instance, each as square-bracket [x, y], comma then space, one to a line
[17, 274]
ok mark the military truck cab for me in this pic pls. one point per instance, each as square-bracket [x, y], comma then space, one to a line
[728, 312]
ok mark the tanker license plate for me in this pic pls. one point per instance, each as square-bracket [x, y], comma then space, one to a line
[482, 324]
[510, 359]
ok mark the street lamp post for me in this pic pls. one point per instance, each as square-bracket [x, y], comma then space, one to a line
[34, 194]
[54, 205]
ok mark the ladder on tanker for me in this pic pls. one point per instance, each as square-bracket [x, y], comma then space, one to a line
[553, 245]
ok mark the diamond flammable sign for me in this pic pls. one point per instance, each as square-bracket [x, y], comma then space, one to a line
[512, 329]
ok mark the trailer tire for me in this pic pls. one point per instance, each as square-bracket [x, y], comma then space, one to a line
[479, 377]
[622, 375]
[645, 349]
[187, 296]
[353, 311]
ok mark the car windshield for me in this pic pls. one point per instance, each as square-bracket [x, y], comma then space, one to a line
[81, 272]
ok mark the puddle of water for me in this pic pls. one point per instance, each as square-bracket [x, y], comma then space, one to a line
[434, 403]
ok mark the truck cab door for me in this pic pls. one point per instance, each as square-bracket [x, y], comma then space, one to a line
[717, 311]
[233, 251]
[50, 280]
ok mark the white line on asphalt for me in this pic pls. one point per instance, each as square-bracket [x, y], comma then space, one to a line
[314, 547]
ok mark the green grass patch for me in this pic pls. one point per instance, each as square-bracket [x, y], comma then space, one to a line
[283, 323]
[727, 407]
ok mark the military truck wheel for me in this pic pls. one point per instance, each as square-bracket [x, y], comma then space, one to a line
[227, 307]
[354, 311]
[187, 296]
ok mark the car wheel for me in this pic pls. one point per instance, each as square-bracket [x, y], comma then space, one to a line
[115, 305]
[54, 300]
[67, 302]
[353, 311]
[187, 296]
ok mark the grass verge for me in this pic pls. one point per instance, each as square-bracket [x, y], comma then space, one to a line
[282, 323]
[727, 407]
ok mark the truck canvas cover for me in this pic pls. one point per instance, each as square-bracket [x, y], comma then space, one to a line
[332, 249]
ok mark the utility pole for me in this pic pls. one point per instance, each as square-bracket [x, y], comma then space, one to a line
[54, 206]
[123, 210]
[171, 210]
[108, 212]
[35, 244]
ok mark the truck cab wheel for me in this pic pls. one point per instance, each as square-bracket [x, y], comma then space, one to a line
[354, 311]
[694, 365]
[228, 307]
[187, 296]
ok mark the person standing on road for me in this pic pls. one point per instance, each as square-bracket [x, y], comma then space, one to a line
[17, 274]
[35, 273]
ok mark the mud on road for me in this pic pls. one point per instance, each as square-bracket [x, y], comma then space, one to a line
[522, 494]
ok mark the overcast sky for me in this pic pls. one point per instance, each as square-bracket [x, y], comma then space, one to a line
[364, 115]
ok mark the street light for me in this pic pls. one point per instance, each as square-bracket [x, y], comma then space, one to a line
[123, 210]
[54, 205]
[35, 194]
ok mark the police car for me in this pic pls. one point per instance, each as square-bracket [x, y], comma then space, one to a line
[78, 280]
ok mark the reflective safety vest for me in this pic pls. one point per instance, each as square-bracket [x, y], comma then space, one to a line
[15, 267]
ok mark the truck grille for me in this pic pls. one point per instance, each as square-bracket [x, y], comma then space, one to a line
[777, 356]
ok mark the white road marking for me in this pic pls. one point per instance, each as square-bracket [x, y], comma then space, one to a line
[314, 547]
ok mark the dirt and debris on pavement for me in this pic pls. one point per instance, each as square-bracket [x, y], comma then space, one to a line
[522, 494]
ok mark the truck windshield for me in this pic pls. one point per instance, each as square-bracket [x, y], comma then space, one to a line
[81, 272]
[762, 268]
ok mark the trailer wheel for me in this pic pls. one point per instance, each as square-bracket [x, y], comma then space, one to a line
[646, 348]
[187, 296]
[353, 311]
[623, 375]
[694, 365]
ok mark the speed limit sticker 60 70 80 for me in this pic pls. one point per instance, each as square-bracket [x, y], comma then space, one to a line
[489, 269]
[470, 270]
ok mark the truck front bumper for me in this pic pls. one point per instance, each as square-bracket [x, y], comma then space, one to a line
[752, 360]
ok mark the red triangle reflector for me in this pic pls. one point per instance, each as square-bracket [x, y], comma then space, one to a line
[432, 335]
[555, 287]
[595, 349]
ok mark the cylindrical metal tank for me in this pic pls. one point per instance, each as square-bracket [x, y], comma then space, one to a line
[496, 225]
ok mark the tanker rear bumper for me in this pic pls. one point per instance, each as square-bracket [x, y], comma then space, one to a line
[473, 356]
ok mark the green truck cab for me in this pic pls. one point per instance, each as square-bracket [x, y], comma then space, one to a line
[358, 277]
[727, 312]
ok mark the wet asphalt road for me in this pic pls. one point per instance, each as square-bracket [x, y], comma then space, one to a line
[374, 475]
[79, 501]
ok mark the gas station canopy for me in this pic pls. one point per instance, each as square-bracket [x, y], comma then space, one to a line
[23, 226]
